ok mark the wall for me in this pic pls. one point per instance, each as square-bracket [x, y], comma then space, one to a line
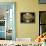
[27, 30]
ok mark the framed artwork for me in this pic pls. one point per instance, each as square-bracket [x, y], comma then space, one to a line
[27, 17]
[7, 20]
[42, 22]
[42, 1]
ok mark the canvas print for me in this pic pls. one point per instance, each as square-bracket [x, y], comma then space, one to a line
[27, 17]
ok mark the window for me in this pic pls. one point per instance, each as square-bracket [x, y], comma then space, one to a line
[7, 21]
[42, 22]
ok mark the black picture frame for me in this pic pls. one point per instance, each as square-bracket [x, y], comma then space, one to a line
[42, 1]
[27, 16]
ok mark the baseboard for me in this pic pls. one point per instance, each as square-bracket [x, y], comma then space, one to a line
[24, 39]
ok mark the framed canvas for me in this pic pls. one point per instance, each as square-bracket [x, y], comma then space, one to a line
[27, 17]
[7, 20]
[42, 1]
